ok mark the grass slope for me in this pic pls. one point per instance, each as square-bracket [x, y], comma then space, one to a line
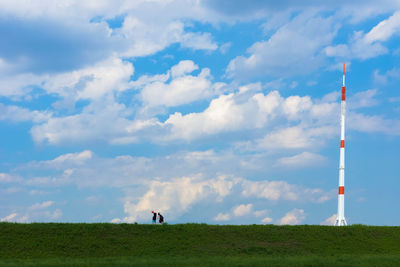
[51, 244]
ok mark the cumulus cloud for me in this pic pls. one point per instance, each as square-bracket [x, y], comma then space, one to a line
[183, 67]
[359, 47]
[296, 137]
[42, 205]
[112, 74]
[222, 217]
[78, 34]
[9, 218]
[293, 217]
[242, 209]
[179, 186]
[267, 220]
[105, 116]
[254, 8]
[226, 113]
[73, 44]
[368, 45]
[329, 221]
[19, 114]
[373, 124]
[385, 29]
[384, 78]
[363, 99]
[281, 190]
[77, 158]
[181, 89]
[295, 48]
[149, 37]
[175, 197]
[308, 122]
[301, 160]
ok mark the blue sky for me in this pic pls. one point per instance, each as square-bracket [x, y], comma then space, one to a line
[223, 112]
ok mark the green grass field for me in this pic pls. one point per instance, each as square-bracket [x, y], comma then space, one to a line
[51, 244]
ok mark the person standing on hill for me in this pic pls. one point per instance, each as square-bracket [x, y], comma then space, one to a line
[161, 218]
[154, 217]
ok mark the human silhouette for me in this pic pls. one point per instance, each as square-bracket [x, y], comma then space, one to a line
[161, 218]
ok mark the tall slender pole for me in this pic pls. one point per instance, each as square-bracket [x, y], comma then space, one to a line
[340, 220]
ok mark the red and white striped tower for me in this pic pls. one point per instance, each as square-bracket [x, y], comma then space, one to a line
[340, 220]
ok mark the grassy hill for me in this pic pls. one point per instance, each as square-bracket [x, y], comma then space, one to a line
[49, 244]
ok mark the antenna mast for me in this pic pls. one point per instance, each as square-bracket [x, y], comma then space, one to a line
[340, 220]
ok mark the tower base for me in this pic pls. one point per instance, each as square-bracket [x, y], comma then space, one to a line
[340, 222]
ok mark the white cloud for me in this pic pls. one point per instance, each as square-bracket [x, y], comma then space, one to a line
[173, 197]
[383, 79]
[368, 45]
[56, 214]
[15, 217]
[293, 137]
[242, 209]
[18, 85]
[77, 158]
[179, 182]
[295, 216]
[296, 137]
[363, 99]
[116, 220]
[281, 190]
[385, 29]
[182, 89]
[259, 213]
[182, 68]
[243, 110]
[308, 121]
[42, 205]
[177, 196]
[222, 217]
[112, 74]
[9, 217]
[148, 37]
[225, 113]
[301, 160]
[267, 220]
[147, 27]
[358, 47]
[19, 114]
[293, 49]
[329, 221]
[225, 48]
[373, 124]
[7, 178]
[106, 117]
[198, 41]
[294, 106]
[276, 12]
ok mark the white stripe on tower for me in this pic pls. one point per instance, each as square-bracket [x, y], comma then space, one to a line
[340, 220]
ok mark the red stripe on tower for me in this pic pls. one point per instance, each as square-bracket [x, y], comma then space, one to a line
[341, 190]
[343, 93]
[342, 143]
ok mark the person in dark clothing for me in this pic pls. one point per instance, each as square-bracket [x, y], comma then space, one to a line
[154, 217]
[161, 218]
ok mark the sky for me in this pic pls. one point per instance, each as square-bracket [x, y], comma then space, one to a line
[208, 111]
